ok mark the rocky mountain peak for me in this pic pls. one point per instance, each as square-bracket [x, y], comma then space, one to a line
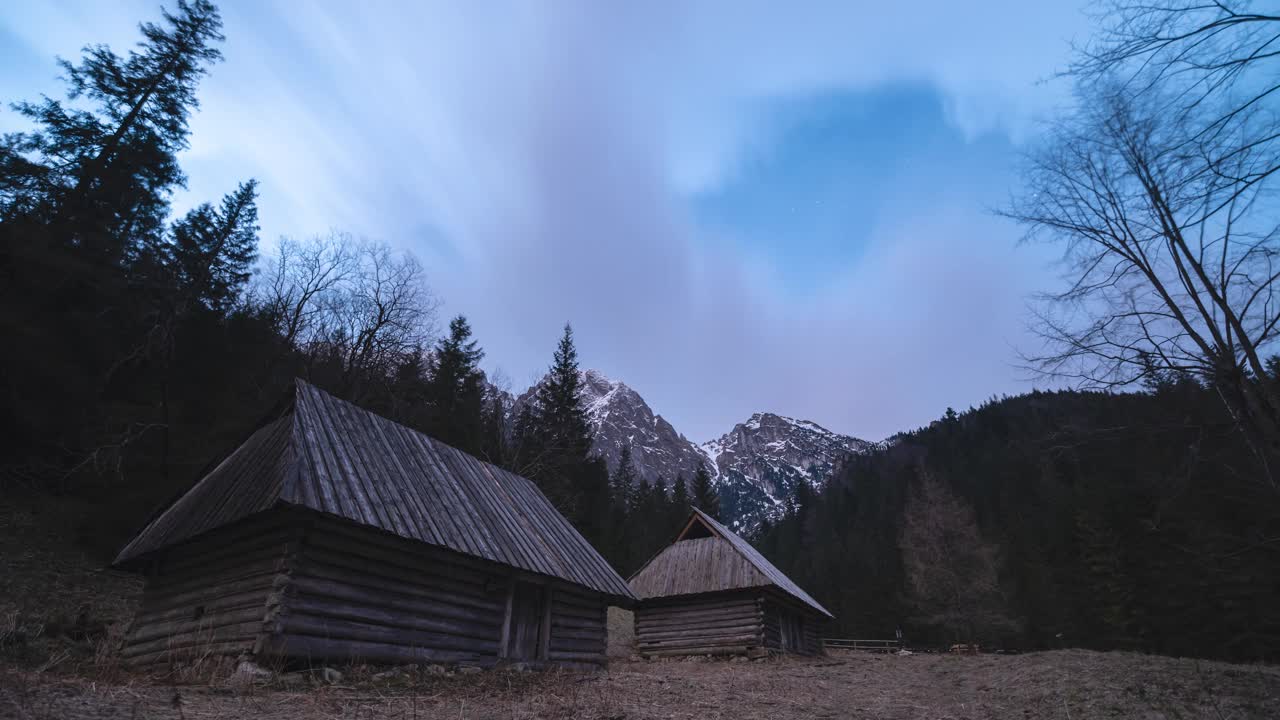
[756, 465]
[761, 461]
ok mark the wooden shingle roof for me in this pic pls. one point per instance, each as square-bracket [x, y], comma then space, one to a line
[714, 561]
[332, 457]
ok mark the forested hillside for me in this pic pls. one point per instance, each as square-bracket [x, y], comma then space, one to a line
[1050, 519]
[142, 345]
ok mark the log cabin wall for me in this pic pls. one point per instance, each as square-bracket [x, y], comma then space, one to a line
[212, 595]
[294, 585]
[790, 628]
[708, 624]
[358, 594]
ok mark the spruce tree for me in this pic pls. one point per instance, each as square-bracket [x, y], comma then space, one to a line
[494, 436]
[212, 250]
[680, 495]
[640, 499]
[558, 435]
[455, 389]
[99, 179]
[623, 480]
[562, 421]
[705, 496]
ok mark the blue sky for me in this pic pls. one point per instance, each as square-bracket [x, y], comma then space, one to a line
[740, 207]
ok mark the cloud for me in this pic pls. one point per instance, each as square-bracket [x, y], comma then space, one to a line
[544, 160]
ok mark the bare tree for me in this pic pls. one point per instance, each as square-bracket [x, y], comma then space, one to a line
[1215, 64]
[358, 301]
[382, 313]
[1157, 189]
[952, 574]
[302, 273]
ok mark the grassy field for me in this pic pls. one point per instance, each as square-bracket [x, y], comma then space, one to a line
[1066, 684]
[61, 615]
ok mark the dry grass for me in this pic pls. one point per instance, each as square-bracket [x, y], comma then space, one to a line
[61, 617]
[1068, 684]
[59, 608]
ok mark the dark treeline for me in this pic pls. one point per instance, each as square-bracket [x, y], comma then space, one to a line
[141, 347]
[1142, 520]
[1052, 519]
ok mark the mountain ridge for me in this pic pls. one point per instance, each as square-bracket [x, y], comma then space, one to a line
[755, 467]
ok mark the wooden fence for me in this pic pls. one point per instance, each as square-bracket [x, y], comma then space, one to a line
[867, 645]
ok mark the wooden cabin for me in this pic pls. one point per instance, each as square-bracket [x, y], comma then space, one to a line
[333, 534]
[711, 593]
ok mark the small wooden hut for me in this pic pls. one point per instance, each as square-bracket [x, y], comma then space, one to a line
[710, 592]
[336, 534]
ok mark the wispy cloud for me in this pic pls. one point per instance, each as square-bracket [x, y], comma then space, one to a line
[547, 160]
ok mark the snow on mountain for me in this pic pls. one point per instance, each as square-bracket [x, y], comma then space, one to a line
[756, 465]
[619, 417]
[760, 463]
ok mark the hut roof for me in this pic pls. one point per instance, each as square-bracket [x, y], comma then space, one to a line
[709, 557]
[335, 458]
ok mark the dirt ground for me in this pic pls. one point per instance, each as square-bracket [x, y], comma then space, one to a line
[1066, 684]
[62, 615]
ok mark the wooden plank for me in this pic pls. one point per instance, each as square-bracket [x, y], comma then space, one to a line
[346, 650]
[710, 650]
[199, 596]
[246, 631]
[170, 655]
[161, 586]
[597, 633]
[741, 628]
[699, 641]
[234, 601]
[329, 627]
[232, 543]
[145, 632]
[591, 657]
[544, 629]
[577, 647]
[384, 488]
[350, 567]
[504, 642]
[692, 617]
[565, 621]
[699, 602]
[404, 554]
[568, 611]
[408, 601]
[393, 618]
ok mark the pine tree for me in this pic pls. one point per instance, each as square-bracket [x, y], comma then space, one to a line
[557, 433]
[640, 497]
[494, 435]
[100, 181]
[562, 420]
[680, 495]
[212, 250]
[455, 389]
[623, 480]
[705, 496]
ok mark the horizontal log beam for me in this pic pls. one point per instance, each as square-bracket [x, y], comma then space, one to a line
[326, 648]
[246, 631]
[311, 625]
[321, 579]
[142, 632]
[153, 602]
[424, 619]
[711, 650]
